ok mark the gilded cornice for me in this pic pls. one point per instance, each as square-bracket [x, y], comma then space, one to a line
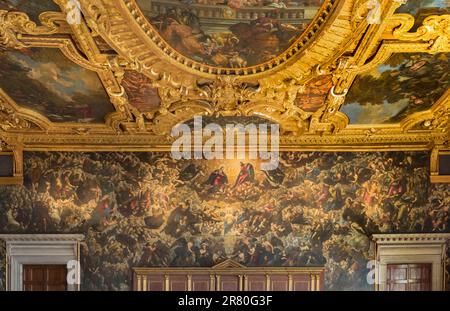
[14, 25]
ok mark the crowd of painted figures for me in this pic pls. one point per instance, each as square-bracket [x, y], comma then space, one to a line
[145, 209]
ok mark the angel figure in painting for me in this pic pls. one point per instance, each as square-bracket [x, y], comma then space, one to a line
[217, 180]
[247, 173]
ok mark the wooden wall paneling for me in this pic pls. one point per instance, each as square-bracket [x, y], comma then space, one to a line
[228, 282]
[229, 276]
[301, 282]
[179, 282]
[255, 282]
[154, 283]
[278, 282]
[202, 282]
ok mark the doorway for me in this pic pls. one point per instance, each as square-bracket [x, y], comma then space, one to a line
[409, 277]
[36, 260]
[44, 278]
[413, 261]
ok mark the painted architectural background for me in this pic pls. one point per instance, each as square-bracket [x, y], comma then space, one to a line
[230, 33]
[145, 209]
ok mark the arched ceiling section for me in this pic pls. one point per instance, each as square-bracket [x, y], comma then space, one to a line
[236, 37]
[334, 74]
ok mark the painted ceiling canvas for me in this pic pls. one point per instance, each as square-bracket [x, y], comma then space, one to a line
[314, 94]
[233, 33]
[32, 7]
[141, 94]
[415, 6]
[44, 80]
[405, 84]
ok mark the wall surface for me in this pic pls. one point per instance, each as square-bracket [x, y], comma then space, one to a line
[144, 209]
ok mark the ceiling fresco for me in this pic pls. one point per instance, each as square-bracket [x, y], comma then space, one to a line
[134, 69]
[46, 81]
[405, 84]
[415, 6]
[141, 94]
[237, 33]
[314, 94]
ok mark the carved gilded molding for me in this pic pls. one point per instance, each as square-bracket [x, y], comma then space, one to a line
[207, 71]
[432, 37]
[354, 138]
[437, 118]
[14, 148]
[13, 25]
[42, 238]
[17, 32]
[124, 32]
[416, 238]
[9, 120]
[435, 29]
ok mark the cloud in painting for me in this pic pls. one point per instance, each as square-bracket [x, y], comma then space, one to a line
[373, 114]
[44, 80]
[63, 83]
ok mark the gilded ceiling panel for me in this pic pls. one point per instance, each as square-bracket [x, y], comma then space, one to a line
[329, 73]
[230, 33]
[44, 80]
[405, 84]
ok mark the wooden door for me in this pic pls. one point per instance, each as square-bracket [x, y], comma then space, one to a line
[409, 277]
[44, 278]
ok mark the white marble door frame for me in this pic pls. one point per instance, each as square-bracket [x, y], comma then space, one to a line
[38, 249]
[411, 249]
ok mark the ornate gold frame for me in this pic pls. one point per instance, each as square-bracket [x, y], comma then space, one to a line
[434, 166]
[17, 178]
[339, 42]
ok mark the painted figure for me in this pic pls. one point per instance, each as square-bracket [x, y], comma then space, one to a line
[247, 173]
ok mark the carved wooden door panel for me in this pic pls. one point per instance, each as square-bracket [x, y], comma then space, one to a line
[409, 277]
[44, 278]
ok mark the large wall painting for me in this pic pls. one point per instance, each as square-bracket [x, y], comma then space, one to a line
[44, 80]
[145, 209]
[234, 33]
[405, 84]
